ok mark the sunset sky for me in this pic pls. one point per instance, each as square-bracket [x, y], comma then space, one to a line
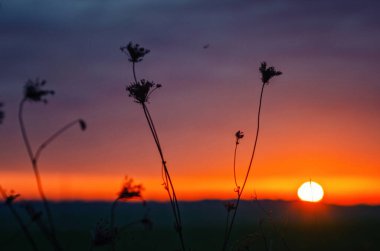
[320, 119]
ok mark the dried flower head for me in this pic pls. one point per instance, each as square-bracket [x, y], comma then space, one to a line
[9, 198]
[130, 190]
[82, 124]
[1, 113]
[239, 135]
[268, 73]
[103, 234]
[229, 206]
[141, 90]
[134, 51]
[33, 91]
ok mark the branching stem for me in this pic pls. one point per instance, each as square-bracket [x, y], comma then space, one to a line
[34, 157]
[240, 192]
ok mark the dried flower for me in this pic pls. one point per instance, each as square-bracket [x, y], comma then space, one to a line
[103, 234]
[268, 73]
[1, 113]
[129, 190]
[141, 90]
[82, 124]
[9, 198]
[134, 51]
[239, 135]
[230, 206]
[33, 91]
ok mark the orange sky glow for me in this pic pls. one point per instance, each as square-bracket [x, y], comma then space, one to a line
[320, 119]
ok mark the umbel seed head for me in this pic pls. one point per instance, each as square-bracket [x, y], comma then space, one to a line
[33, 91]
[134, 51]
[268, 72]
[142, 90]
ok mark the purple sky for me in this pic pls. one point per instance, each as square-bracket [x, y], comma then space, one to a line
[329, 52]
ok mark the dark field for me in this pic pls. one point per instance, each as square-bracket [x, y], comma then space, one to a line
[281, 225]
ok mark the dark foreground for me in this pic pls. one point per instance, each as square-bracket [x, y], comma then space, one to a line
[265, 225]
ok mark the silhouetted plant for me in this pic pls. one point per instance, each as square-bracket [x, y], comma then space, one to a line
[238, 135]
[9, 199]
[141, 90]
[128, 191]
[2, 114]
[267, 73]
[34, 93]
[106, 233]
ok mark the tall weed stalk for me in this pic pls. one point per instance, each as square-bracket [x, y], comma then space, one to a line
[141, 90]
[34, 92]
[266, 74]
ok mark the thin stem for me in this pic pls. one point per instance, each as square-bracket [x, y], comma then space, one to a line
[134, 71]
[34, 159]
[53, 137]
[20, 221]
[23, 130]
[226, 240]
[52, 234]
[235, 152]
[168, 180]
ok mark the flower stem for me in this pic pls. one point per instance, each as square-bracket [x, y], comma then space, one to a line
[167, 180]
[240, 192]
[54, 136]
[235, 153]
[34, 160]
[20, 222]
[134, 71]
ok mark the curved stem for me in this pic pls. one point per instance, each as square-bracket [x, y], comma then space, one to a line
[53, 137]
[34, 158]
[226, 240]
[23, 130]
[235, 152]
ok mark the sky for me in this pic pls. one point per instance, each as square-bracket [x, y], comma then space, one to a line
[320, 119]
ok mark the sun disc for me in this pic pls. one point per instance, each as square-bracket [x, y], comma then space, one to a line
[310, 191]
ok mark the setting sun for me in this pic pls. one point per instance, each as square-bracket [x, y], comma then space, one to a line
[310, 191]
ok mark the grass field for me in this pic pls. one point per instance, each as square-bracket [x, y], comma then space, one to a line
[281, 225]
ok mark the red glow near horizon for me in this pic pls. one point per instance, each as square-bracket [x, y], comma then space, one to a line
[103, 187]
